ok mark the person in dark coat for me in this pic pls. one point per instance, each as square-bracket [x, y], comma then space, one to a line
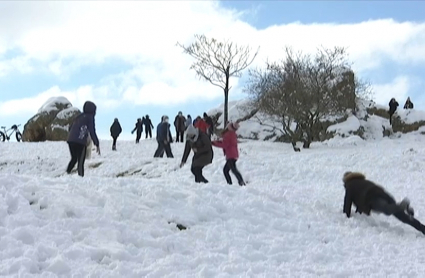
[82, 126]
[367, 197]
[408, 104]
[180, 125]
[139, 129]
[200, 144]
[115, 133]
[393, 107]
[164, 138]
[148, 126]
[210, 124]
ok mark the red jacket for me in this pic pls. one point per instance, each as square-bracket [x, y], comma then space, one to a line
[201, 125]
[229, 144]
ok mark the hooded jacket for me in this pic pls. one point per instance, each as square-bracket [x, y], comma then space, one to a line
[196, 139]
[83, 125]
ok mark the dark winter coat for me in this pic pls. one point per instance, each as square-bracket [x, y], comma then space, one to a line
[393, 106]
[138, 126]
[204, 152]
[148, 123]
[408, 105]
[362, 193]
[180, 123]
[115, 129]
[163, 132]
[84, 124]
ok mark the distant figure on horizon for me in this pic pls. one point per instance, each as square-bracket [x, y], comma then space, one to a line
[148, 126]
[408, 104]
[180, 125]
[115, 133]
[393, 107]
[139, 128]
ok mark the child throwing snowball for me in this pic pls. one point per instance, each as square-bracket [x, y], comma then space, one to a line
[229, 144]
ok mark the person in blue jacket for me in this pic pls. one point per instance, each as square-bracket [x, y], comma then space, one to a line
[81, 127]
[164, 138]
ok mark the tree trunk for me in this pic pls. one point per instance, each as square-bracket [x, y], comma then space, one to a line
[226, 98]
[226, 107]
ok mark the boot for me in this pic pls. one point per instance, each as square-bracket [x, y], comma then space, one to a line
[405, 205]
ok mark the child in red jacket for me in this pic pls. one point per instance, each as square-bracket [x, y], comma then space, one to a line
[229, 144]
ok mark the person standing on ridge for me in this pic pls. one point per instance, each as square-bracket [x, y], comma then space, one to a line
[148, 126]
[180, 125]
[139, 128]
[115, 133]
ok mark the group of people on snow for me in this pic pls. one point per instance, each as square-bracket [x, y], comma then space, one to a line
[198, 140]
[393, 104]
[364, 194]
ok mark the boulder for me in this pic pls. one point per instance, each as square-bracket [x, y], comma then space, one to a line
[52, 121]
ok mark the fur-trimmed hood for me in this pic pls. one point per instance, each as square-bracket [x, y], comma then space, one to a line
[352, 176]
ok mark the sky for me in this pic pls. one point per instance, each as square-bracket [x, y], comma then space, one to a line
[123, 55]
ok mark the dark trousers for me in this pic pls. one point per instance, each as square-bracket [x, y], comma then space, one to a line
[78, 154]
[148, 132]
[381, 205]
[231, 166]
[162, 147]
[197, 172]
[391, 116]
[138, 136]
[114, 143]
[179, 136]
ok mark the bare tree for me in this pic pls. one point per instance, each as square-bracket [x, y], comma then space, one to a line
[217, 61]
[302, 91]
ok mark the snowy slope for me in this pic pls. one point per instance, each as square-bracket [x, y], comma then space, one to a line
[287, 222]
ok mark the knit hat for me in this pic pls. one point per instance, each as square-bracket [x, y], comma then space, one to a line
[232, 126]
[192, 133]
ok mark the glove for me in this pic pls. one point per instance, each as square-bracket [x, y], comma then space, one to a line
[132, 132]
[98, 150]
[181, 164]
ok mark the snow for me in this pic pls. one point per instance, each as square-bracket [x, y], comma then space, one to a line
[351, 124]
[287, 222]
[66, 113]
[50, 104]
[372, 125]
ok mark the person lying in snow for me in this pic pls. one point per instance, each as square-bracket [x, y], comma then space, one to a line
[367, 196]
[229, 144]
[200, 144]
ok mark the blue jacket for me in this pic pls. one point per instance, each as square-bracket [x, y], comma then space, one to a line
[83, 125]
[163, 132]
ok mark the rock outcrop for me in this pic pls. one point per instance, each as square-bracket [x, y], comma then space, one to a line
[368, 121]
[52, 121]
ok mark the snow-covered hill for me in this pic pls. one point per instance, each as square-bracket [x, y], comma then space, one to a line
[120, 219]
[370, 122]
